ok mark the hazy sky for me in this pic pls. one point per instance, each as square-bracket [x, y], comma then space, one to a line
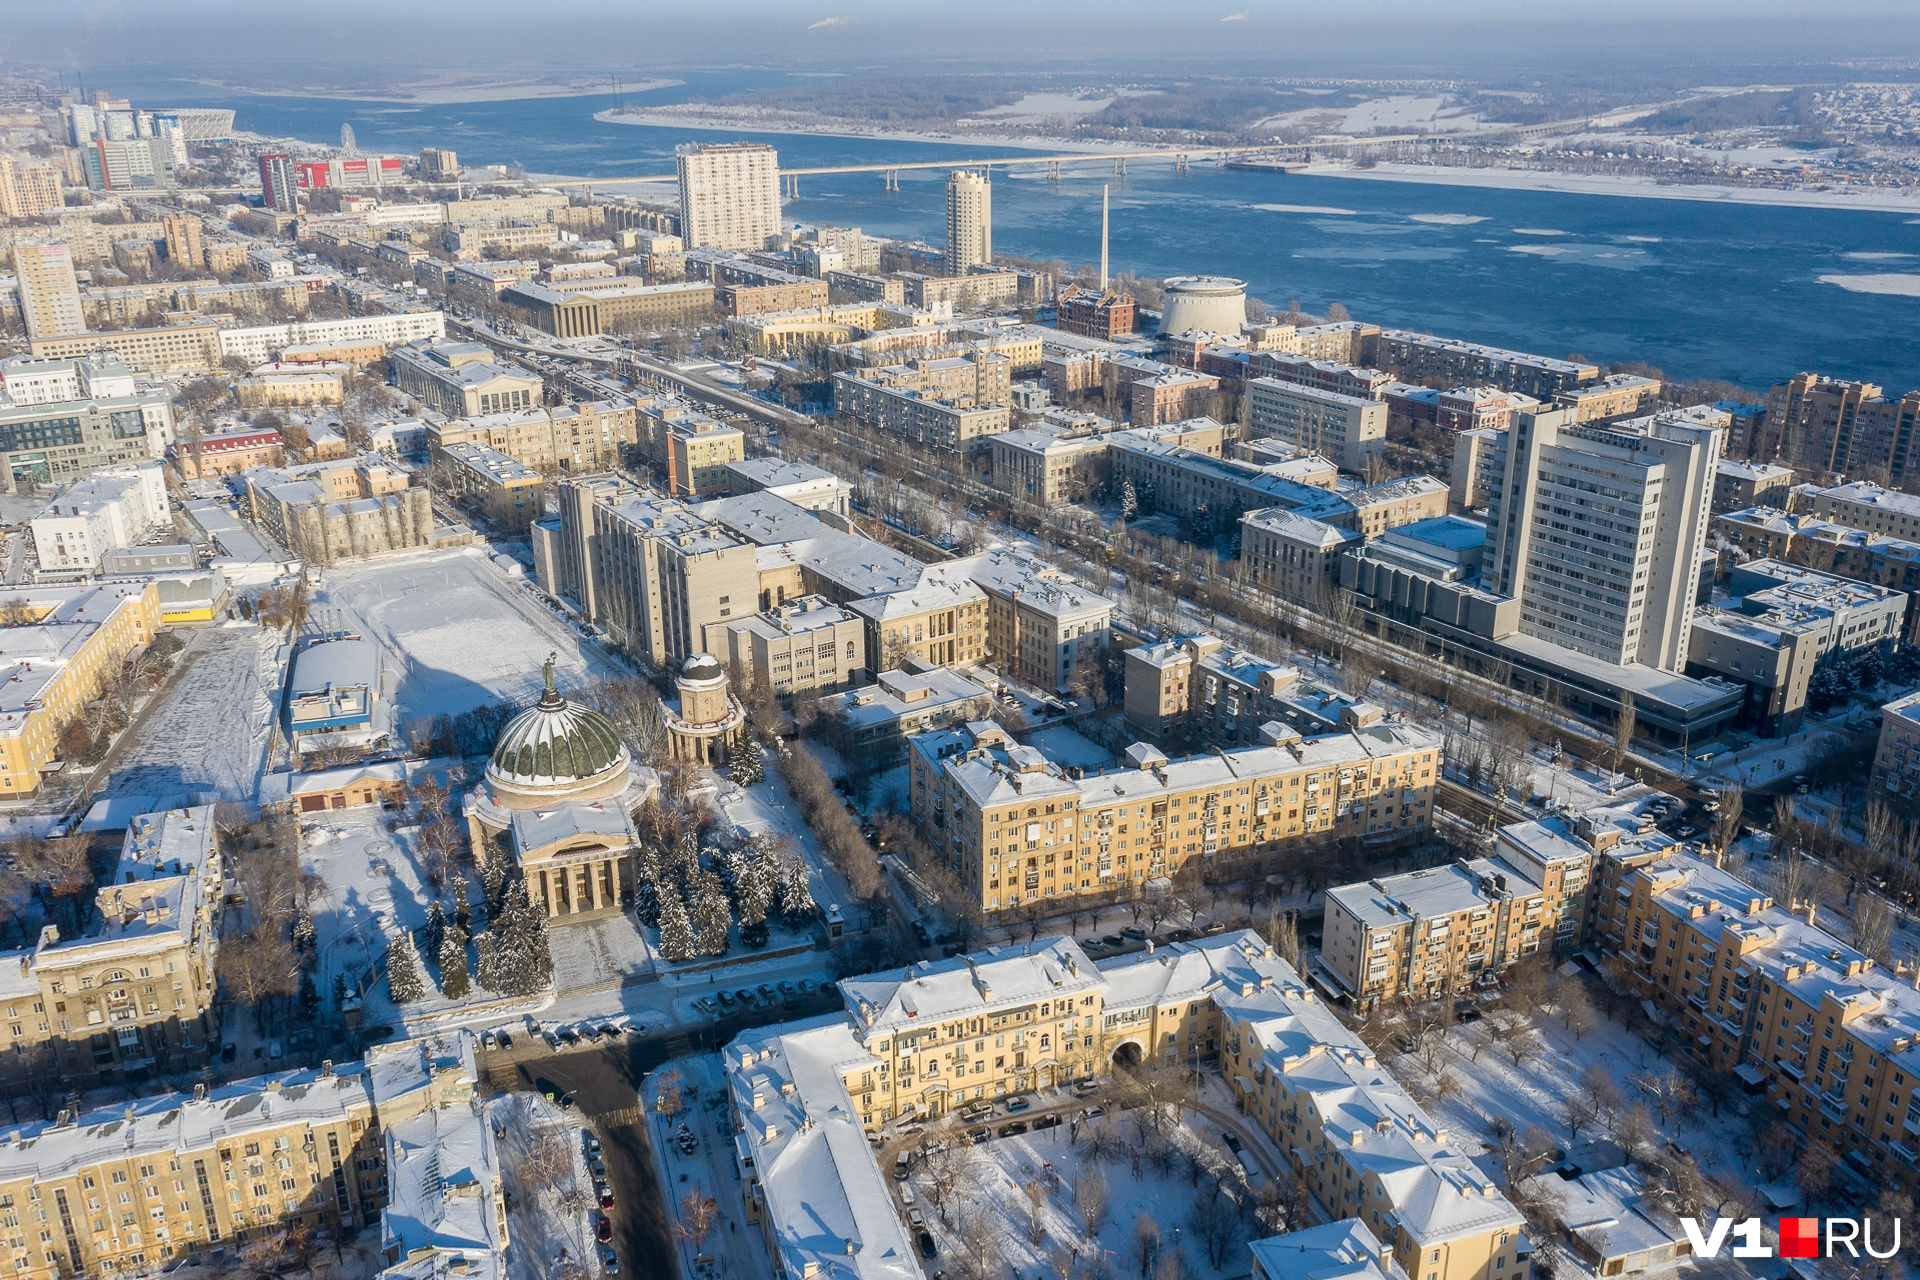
[1398, 37]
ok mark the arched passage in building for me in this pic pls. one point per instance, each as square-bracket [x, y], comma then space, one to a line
[1126, 1055]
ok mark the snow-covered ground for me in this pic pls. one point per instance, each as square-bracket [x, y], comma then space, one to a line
[208, 739]
[736, 1246]
[371, 885]
[458, 631]
[1024, 1191]
[553, 1211]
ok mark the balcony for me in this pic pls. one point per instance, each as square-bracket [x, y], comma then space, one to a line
[1833, 1108]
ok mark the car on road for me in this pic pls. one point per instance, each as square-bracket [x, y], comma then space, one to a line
[901, 1165]
[927, 1247]
[609, 1260]
[1009, 1130]
[604, 1232]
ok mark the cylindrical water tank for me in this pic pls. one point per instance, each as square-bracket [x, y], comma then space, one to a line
[1217, 304]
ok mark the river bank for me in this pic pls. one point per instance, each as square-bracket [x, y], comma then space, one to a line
[453, 93]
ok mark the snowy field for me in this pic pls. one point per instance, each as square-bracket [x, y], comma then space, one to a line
[458, 631]
[1029, 1195]
[208, 739]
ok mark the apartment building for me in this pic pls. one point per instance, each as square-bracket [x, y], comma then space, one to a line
[1618, 395]
[1000, 812]
[460, 379]
[365, 338]
[102, 418]
[49, 293]
[1174, 396]
[1739, 485]
[1861, 505]
[342, 509]
[1345, 428]
[1598, 531]
[1364, 1148]
[1321, 375]
[509, 494]
[579, 438]
[58, 663]
[804, 645]
[1444, 362]
[110, 509]
[1200, 689]
[1896, 757]
[729, 195]
[164, 351]
[1048, 469]
[957, 426]
[29, 190]
[1428, 933]
[1042, 626]
[947, 1036]
[1759, 989]
[1825, 424]
[969, 221]
[980, 289]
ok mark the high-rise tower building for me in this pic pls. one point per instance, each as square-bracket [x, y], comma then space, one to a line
[1598, 530]
[280, 181]
[969, 221]
[49, 293]
[729, 195]
[185, 245]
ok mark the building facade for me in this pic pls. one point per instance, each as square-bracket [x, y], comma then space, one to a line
[729, 195]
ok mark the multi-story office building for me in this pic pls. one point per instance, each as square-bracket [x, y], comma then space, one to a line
[663, 573]
[49, 293]
[1321, 375]
[1173, 396]
[166, 350]
[803, 484]
[110, 509]
[460, 379]
[1444, 362]
[1342, 427]
[1862, 505]
[1824, 424]
[342, 509]
[958, 426]
[102, 418]
[1426, 933]
[1017, 829]
[699, 452]
[1041, 625]
[227, 453]
[729, 195]
[871, 726]
[806, 645]
[969, 221]
[1618, 395]
[1739, 485]
[940, 620]
[617, 305]
[1290, 553]
[1598, 531]
[1048, 469]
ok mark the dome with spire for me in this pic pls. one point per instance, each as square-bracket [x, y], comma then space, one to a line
[557, 749]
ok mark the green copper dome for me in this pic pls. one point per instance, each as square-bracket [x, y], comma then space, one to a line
[556, 741]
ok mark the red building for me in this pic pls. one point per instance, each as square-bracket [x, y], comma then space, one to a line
[1105, 315]
[347, 173]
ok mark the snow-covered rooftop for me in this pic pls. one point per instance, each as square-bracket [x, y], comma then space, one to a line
[997, 978]
[1343, 1250]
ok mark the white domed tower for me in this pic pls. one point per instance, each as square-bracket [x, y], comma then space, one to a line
[703, 720]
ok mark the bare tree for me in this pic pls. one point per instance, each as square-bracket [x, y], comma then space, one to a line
[1623, 722]
[1214, 1221]
[698, 1214]
[1092, 1197]
[1873, 922]
[1726, 823]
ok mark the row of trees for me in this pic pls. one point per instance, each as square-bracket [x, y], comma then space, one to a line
[510, 956]
[846, 850]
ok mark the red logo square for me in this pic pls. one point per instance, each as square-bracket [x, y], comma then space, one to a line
[1799, 1237]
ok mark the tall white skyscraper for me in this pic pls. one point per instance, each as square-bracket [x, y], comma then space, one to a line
[1598, 530]
[969, 221]
[729, 195]
[49, 293]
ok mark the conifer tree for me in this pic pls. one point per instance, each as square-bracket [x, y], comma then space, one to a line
[455, 982]
[404, 982]
[646, 888]
[709, 913]
[434, 931]
[797, 907]
[676, 932]
[486, 967]
[462, 909]
[747, 769]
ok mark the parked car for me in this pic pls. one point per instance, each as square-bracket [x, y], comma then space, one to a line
[726, 1000]
[1090, 944]
[552, 1039]
[915, 1218]
[806, 985]
[1009, 1130]
[1045, 1122]
[609, 1260]
[920, 934]
[927, 1247]
[707, 1006]
[569, 1037]
[787, 989]
[590, 1142]
[745, 996]
[978, 1136]
[604, 1232]
[1114, 940]
[1018, 1103]
[506, 1038]
[1135, 932]
[906, 1193]
[606, 1197]
[488, 1040]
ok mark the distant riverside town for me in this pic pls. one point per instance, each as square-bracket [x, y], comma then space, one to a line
[548, 734]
